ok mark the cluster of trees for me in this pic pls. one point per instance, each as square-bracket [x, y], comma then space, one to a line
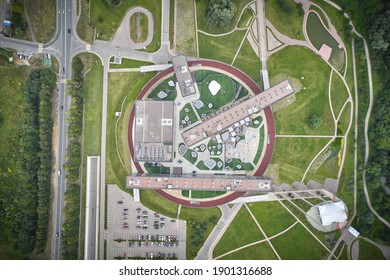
[287, 6]
[70, 240]
[25, 209]
[378, 167]
[315, 121]
[19, 25]
[220, 13]
[113, 2]
[198, 230]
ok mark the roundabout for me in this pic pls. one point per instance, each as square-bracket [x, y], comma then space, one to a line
[210, 160]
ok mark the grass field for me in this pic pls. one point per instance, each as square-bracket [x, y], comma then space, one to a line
[223, 97]
[129, 63]
[190, 114]
[260, 146]
[248, 62]
[325, 238]
[246, 16]
[236, 162]
[201, 9]
[345, 118]
[339, 94]
[202, 194]
[293, 156]
[267, 213]
[221, 48]
[42, 15]
[119, 86]
[185, 28]
[188, 156]
[261, 251]
[368, 251]
[85, 30]
[243, 230]
[290, 24]
[298, 244]
[92, 121]
[297, 62]
[198, 215]
[164, 86]
[138, 28]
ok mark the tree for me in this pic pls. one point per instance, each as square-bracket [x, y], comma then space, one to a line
[379, 32]
[315, 121]
[220, 13]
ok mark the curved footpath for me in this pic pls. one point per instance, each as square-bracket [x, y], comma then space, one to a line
[268, 115]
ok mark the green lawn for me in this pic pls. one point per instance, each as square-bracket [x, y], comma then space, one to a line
[188, 156]
[202, 194]
[225, 95]
[164, 86]
[129, 63]
[259, 119]
[293, 156]
[261, 251]
[190, 114]
[290, 24]
[157, 203]
[339, 94]
[185, 28]
[297, 62]
[119, 86]
[138, 28]
[107, 18]
[244, 165]
[298, 244]
[221, 48]
[242, 230]
[246, 16]
[92, 120]
[271, 216]
[260, 146]
[345, 118]
[210, 216]
[368, 251]
[84, 29]
[248, 62]
[326, 238]
[43, 19]
[201, 9]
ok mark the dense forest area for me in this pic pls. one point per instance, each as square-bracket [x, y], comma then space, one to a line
[25, 203]
[372, 19]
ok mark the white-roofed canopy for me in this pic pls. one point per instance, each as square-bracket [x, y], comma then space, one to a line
[334, 212]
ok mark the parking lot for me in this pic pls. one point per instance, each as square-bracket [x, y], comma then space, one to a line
[136, 232]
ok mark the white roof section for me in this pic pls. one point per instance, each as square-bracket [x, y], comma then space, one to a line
[353, 231]
[214, 87]
[333, 212]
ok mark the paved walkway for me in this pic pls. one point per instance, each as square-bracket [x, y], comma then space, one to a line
[122, 36]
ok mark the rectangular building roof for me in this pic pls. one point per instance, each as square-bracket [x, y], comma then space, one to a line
[232, 114]
[204, 182]
[154, 124]
[183, 75]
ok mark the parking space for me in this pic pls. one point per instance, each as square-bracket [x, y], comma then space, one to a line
[136, 232]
